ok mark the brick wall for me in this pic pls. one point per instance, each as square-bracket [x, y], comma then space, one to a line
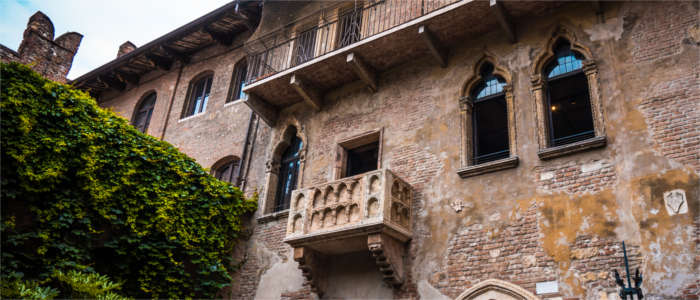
[576, 177]
[49, 57]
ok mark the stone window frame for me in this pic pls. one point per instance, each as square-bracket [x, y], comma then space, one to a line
[226, 160]
[358, 140]
[137, 108]
[188, 96]
[468, 168]
[538, 89]
[282, 138]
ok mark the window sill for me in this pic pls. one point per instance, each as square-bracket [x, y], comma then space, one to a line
[275, 216]
[232, 102]
[488, 167]
[190, 117]
[585, 145]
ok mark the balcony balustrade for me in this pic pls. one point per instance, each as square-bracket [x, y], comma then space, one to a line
[367, 212]
[300, 63]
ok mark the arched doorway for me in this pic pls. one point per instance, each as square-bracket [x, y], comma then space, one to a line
[494, 289]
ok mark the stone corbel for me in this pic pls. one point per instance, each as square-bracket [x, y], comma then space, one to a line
[389, 255]
[309, 264]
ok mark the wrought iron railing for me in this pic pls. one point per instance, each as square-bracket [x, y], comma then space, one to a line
[362, 20]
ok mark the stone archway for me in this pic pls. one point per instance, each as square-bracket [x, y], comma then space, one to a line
[494, 289]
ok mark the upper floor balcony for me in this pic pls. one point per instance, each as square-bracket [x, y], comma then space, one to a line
[357, 40]
[367, 212]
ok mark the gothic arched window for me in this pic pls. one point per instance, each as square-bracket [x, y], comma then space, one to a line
[489, 117]
[570, 118]
[288, 173]
[143, 112]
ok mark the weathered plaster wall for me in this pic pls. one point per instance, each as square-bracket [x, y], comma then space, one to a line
[561, 219]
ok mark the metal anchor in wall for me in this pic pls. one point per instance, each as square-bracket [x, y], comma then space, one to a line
[629, 291]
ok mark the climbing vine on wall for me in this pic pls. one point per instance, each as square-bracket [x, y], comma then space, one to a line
[82, 190]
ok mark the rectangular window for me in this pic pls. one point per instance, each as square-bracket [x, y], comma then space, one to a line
[359, 155]
[570, 109]
[238, 81]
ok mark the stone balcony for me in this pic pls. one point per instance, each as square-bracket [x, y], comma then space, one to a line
[368, 212]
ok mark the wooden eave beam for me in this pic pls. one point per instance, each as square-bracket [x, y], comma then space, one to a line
[363, 71]
[503, 19]
[163, 63]
[262, 108]
[434, 47]
[128, 77]
[312, 96]
[113, 83]
[182, 57]
[222, 38]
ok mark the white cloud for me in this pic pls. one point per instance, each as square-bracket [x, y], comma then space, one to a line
[104, 24]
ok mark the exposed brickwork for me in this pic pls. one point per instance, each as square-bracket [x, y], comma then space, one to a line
[661, 31]
[514, 255]
[574, 177]
[673, 118]
[49, 57]
[594, 258]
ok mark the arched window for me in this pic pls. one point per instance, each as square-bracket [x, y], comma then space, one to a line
[489, 117]
[570, 118]
[288, 173]
[143, 112]
[238, 81]
[227, 170]
[198, 95]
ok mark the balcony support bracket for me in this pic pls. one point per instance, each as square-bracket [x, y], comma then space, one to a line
[389, 255]
[263, 109]
[503, 19]
[363, 71]
[436, 50]
[311, 95]
[310, 266]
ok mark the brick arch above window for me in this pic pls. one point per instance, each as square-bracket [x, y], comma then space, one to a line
[470, 164]
[538, 78]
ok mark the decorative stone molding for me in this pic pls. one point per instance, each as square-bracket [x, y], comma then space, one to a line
[466, 106]
[537, 80]
[492, 166]
[500, 290]
[554, 152]
[367, 212]
[282, 136]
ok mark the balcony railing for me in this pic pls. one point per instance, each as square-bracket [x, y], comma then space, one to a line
[348, 27]
[374, 202]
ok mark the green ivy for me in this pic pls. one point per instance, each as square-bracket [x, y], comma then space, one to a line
[83, 190]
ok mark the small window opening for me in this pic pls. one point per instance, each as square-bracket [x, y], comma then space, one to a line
[199, 96]
[489, 118]
[238, 81]
[362, 159]
[142, 116]
[289, 171]
[570, 115]
[227, 172]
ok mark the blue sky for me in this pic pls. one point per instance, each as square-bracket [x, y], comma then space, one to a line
[104, 24]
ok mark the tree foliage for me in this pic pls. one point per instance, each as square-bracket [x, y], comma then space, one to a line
[84, 191]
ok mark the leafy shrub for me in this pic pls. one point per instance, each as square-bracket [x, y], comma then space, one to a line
[82, 190]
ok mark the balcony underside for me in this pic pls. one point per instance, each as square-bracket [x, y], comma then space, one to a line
[449, 25]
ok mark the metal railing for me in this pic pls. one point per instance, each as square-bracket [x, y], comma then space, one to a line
[361, 21]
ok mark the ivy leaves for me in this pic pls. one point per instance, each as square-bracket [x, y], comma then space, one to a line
[86, 191]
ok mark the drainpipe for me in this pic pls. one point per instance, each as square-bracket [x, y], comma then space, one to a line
[248, 147]
[172, 99]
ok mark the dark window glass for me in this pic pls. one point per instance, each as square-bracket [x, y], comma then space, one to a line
[490, 118]
[289, 170]
[142, 116]
[199, 96]
[227, 172]
[362, 159]
[238, 81]
[305, 44]
[570, 116]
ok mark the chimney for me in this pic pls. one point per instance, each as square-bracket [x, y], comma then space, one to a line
[126, 48]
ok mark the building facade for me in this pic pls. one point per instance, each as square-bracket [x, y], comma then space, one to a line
[445, 149]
